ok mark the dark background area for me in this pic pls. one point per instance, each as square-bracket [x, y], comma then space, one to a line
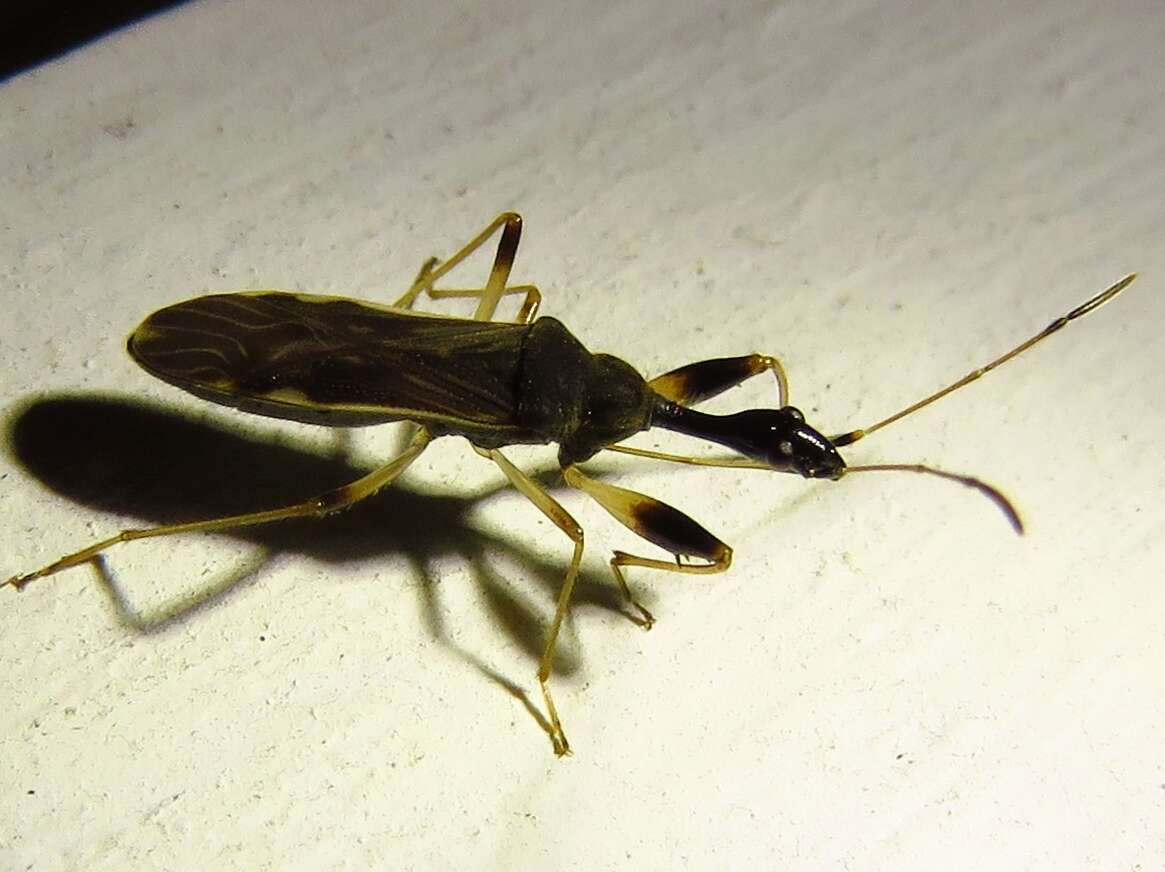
[31, 34]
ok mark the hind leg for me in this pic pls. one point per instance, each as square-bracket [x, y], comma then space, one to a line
[490, 294]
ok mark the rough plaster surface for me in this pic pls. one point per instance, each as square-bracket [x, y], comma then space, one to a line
[884, 194]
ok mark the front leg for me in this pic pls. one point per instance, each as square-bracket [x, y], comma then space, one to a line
[701, 381]
[658, 523]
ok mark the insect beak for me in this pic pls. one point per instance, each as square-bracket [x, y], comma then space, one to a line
[831, 470]
[814, 456]
[802, 449]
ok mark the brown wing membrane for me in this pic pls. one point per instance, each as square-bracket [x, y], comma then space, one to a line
[335, 361]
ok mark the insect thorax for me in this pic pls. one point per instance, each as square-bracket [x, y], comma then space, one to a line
[582, 401]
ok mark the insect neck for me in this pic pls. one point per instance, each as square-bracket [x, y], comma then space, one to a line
[670, 415]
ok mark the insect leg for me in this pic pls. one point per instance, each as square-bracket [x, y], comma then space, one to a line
[525, 314]
[562, 519]
[324, 504]
[701, 381]
[421, 284]
[727, 462]
[495, 287]
[658, 523]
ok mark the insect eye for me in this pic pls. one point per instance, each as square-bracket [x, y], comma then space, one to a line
[795, 414]
[785, 447]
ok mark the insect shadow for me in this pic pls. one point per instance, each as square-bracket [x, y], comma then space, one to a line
[122, 456]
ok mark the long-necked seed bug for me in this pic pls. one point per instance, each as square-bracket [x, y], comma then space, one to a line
[345, 363]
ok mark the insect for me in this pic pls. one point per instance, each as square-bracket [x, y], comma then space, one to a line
[345, 363]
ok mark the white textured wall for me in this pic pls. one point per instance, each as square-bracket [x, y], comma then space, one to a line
[884, 194]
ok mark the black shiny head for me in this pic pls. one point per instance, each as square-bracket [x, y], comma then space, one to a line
[778, 438]
[781, 439]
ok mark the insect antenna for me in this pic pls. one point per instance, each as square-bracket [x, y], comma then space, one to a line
[1061, 322]
[1003, 503]
[992, 493]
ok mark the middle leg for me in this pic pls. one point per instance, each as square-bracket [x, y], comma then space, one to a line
[551, 508]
